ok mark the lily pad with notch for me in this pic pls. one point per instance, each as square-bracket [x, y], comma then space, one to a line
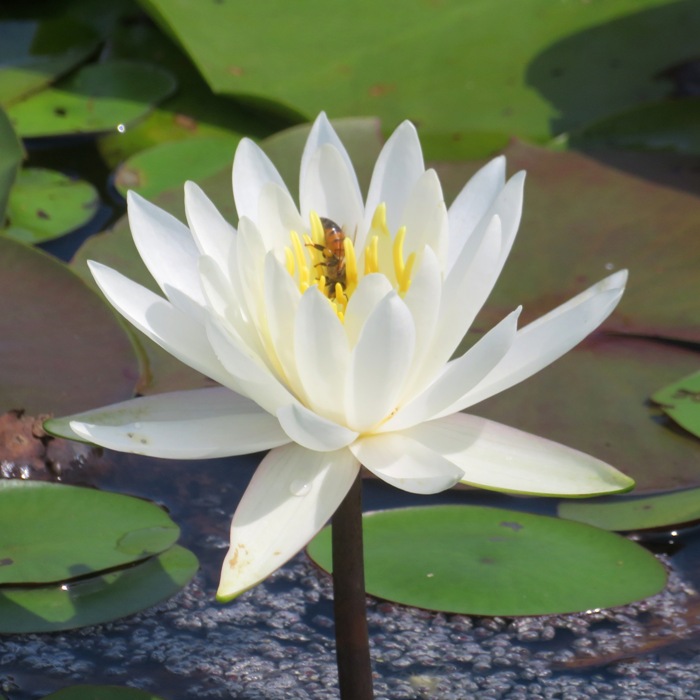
[681, 401]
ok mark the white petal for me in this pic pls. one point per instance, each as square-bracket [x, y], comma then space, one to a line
[322, 355]
[495, 456]
[322, 134]
[330, 188]
[252, 170]
[370, 291]
[312, 431]
[289, 499]
[197, 424]
[425, 217]
[379, 364]
[458, 377]
[249, 374]
[176, 332]
[472, 204]
[213, 235]
[396, 172]
[168, 250]
[550, 336]
[405, 463]
[277, 216]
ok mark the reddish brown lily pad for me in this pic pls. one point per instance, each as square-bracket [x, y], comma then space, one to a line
[62, 348]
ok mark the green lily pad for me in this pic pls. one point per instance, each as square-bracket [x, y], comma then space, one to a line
[117, 249]
[98, 599]
[100, 97]
[35, 52]
[488, 561]
[681, 401]
[45, 204]
[55, 532]
[100, 692]
[670, 125]
[168, 165]
[63, 349]
[626, 513]
[443, 65]
[11, 154]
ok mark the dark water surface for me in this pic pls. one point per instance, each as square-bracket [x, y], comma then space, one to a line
[276, 641]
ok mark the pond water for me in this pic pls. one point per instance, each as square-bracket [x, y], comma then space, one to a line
[276, 641]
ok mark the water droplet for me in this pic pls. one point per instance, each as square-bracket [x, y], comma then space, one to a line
[121, 128]
[299, 487]
[609, 266]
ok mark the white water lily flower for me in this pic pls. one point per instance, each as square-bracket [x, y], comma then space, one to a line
[334, 353]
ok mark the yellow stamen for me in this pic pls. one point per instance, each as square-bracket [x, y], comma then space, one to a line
[379, 219]
[405, 281]
[372, 256]
[350, 266]
[317, 234]
[289, 261]
[398, 253]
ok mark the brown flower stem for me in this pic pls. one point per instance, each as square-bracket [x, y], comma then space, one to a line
[351, 636]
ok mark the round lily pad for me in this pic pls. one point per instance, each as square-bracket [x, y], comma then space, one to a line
[489, 561]
[55, 532]
[625, 513]
[100, 692]
[681, 401]
[45, 204]
[98, 599]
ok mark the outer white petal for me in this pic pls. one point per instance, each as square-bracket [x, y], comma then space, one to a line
[405, 463]
[289, 499]
[458, 377]
[252, 170]
[495, 456]
[312, 431]
[167, 248]
[472, 204]
[322, 354]
[330, 189]
[380, 363]
[213, 235]
[166, 325]
[197, 424]
[396, 172]
[550, 336]
[322, 134]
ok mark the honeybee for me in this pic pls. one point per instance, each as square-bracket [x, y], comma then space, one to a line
[333, 253]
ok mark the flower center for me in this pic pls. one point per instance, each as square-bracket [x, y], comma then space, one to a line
[326, 257]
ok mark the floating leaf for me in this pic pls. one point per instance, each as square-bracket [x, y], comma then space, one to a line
[63, 350]
[443, 65]
[489, 561]
[671, 125]
[626, 513]
[100, 692]
[681, 401]
[117, 249]
[54, 532]
[168, 165]
[34, 52]
[99, 97]
[45, 204]
[96, 599]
